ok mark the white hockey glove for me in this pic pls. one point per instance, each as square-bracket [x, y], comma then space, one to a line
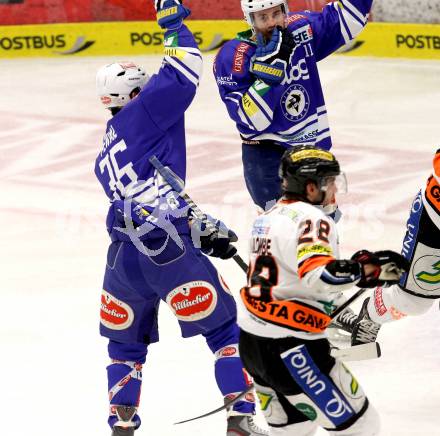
[365, 330]
[389, 268]
[170, 13]
[213, 243]
[272, 59]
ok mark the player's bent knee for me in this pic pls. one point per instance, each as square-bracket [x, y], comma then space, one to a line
[334, 400]
[366, 425]
[306, 428]
[282, 417]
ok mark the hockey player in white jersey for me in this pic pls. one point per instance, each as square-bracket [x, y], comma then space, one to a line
[295, 281]
[418, 289]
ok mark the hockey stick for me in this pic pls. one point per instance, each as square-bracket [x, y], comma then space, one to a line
[219, 409]
[344, 306]
[177, 185]
[357, 352]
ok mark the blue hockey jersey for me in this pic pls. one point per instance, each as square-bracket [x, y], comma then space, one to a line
[151, 124]
[294, 111]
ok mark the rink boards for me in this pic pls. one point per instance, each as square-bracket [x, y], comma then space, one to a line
[417, 41]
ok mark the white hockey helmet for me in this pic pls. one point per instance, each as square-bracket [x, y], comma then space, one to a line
[249, 6]
[115, 82]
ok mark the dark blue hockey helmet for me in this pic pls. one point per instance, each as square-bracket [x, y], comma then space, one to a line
[303, 164]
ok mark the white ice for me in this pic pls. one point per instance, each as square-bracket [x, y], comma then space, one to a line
[384, 116]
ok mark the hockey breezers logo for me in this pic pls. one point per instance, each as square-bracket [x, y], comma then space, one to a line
[430, 277]
[317, 386]
[80, 45]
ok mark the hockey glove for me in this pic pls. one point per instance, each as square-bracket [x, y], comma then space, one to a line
[389, 268]
[272, 59]
[170, 13]
[365, 330]
[215, 243]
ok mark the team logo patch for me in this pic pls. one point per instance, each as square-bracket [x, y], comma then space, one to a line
[229, 351]
[308, 410]
[115, 314]
[295, 102]
[426, 273]
[265, 400]
[349, 384]
[193, 300]
[106, 100]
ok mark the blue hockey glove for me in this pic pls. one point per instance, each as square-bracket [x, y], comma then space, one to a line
[215, 243]
[272, 59]
[170, 13]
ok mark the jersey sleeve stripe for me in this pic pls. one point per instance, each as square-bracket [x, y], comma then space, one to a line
[192, 61]
[358, 15]
[244, 118]
[353, 22]
[312, 263]
[173, 62]
[254, 113]
[343, 25]
[263, 105]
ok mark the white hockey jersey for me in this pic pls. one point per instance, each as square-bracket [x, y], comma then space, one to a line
[288, 293]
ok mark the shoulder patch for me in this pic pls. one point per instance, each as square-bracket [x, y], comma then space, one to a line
[238, 61]
[295, 17]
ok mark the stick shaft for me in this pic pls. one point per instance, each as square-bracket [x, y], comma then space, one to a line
[177, 185]
[344, 306]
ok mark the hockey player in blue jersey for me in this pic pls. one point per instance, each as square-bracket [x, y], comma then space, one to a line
[159, 262]
[269, 81]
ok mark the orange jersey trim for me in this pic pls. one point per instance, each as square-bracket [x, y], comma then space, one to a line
[436, 165]
[312, 263]
[288, 314]
[432, 194]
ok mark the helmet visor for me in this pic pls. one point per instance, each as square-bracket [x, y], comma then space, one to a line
[339, 181]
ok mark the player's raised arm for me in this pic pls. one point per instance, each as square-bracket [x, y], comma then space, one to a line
[172, 90]
[338, 24]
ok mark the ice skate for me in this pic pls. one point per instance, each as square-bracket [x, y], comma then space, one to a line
[124, 426]
[339, 331]
[365, 330]
[244, 425]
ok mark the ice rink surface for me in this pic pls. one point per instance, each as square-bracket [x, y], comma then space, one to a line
[384, 116]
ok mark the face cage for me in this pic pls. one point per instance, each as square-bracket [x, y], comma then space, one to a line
[251, 14]
[340, 181]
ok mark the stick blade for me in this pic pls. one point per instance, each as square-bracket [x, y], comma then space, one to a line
[358, 352]
[219, 409]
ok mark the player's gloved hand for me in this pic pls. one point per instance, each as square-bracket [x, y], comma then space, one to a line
[381, 268]
[272, 59]
[213, 241]
[170, 13]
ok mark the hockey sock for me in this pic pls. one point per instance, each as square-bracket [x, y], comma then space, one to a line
[124, 376]
[230, 375]
[124, 388]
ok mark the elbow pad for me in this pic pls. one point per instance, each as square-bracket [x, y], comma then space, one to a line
[341, 272]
